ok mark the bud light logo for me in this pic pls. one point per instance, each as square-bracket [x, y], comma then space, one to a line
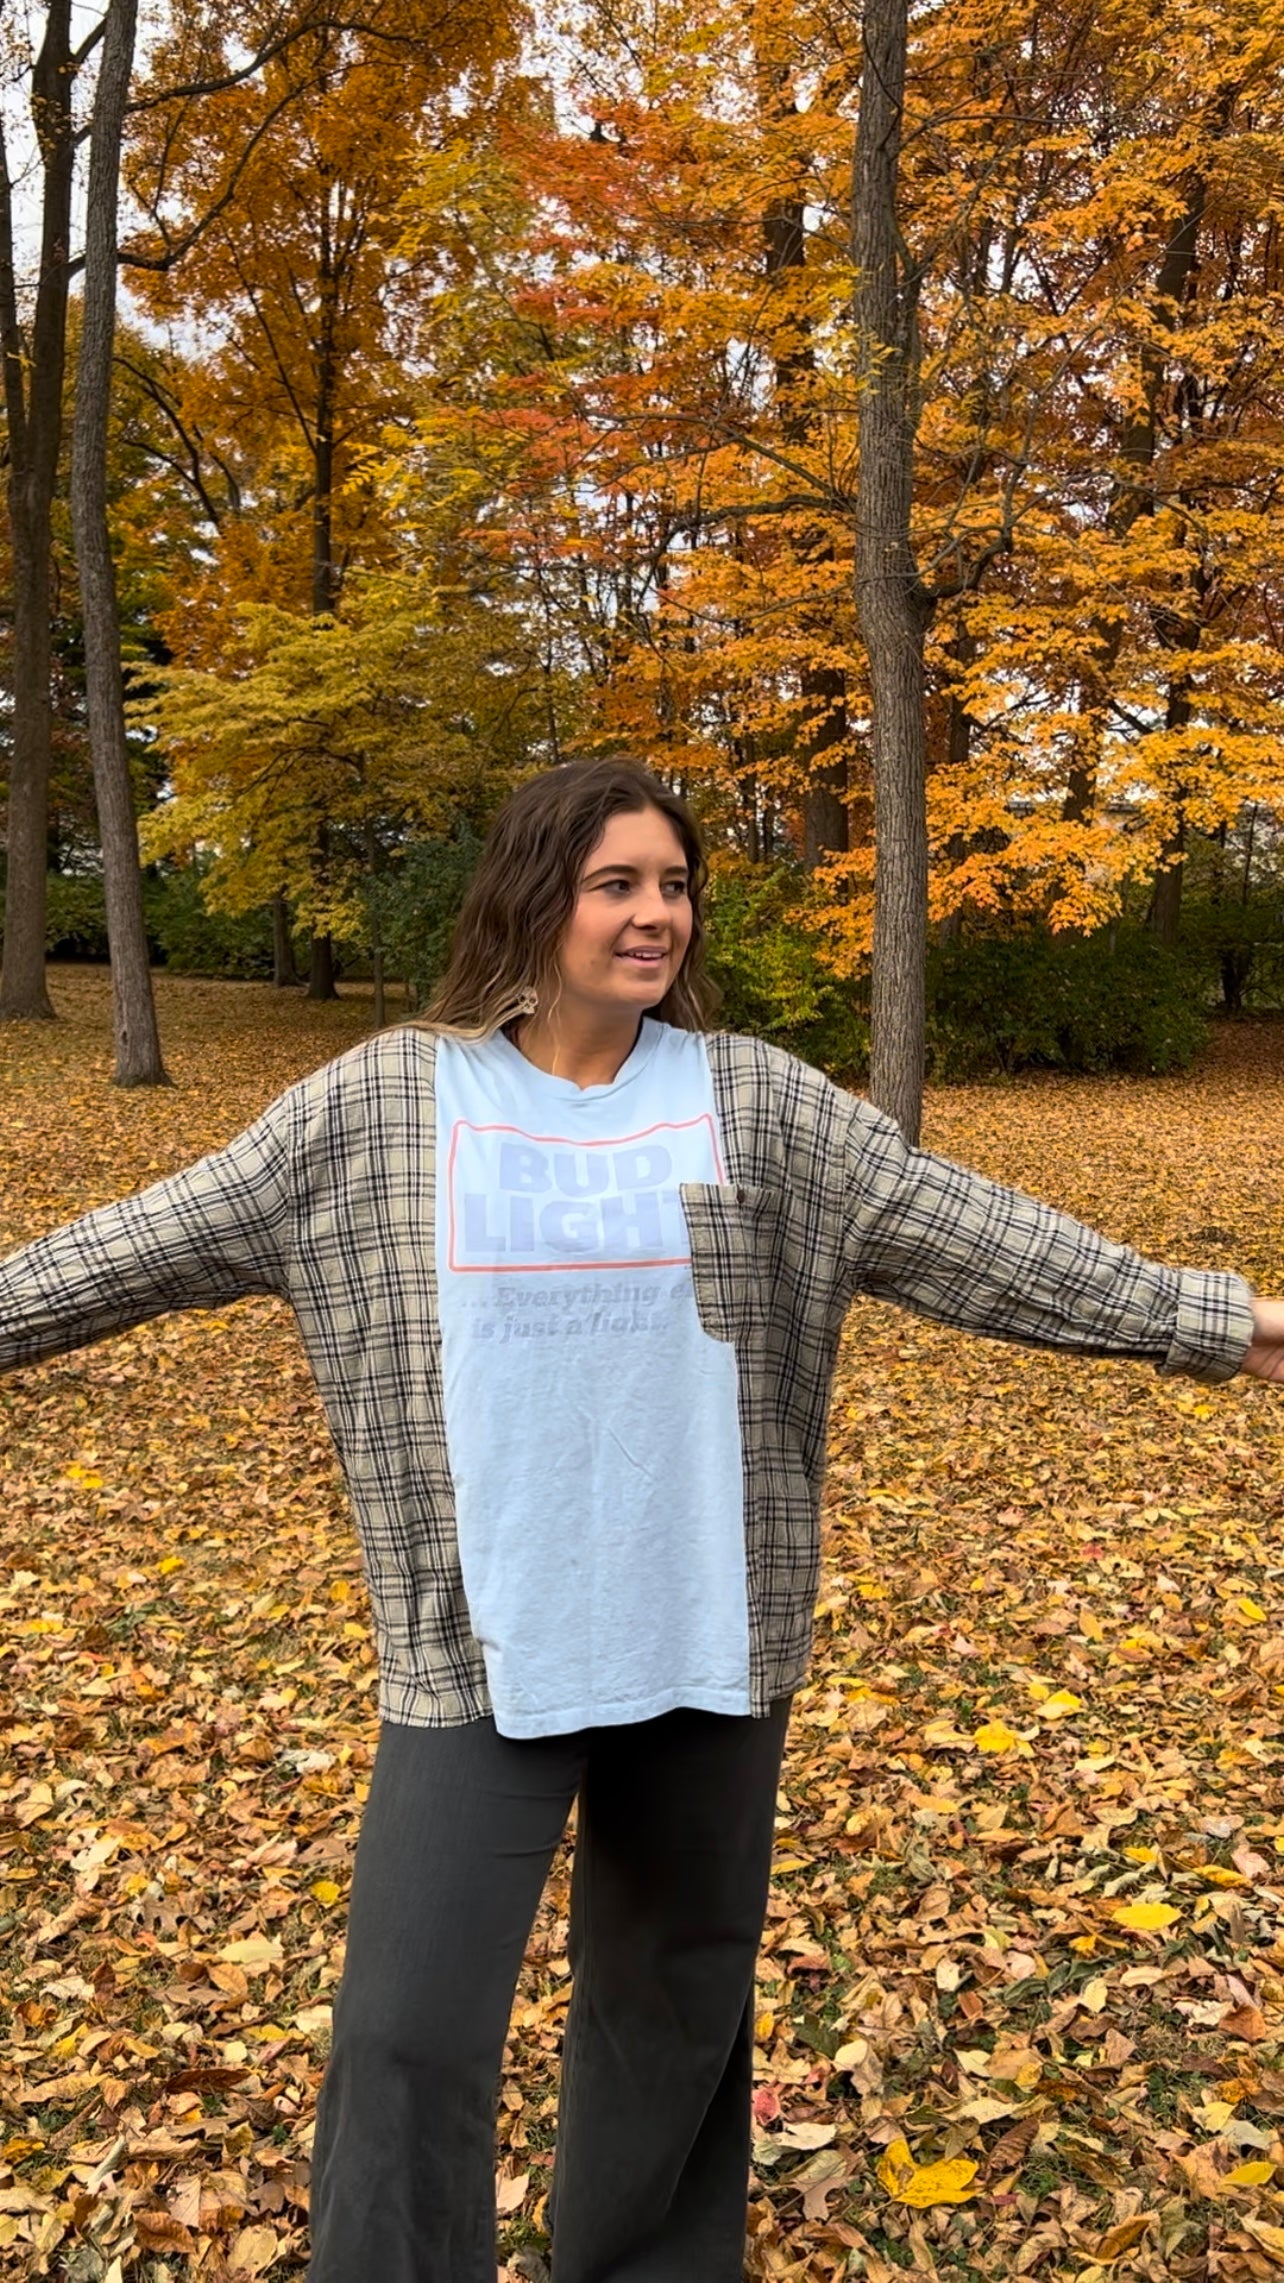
[540, 1202]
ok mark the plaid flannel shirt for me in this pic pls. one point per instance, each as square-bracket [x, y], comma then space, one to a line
[328, 1201]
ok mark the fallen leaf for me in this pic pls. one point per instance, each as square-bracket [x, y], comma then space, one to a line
[818, 2178]
[921, 2185]
[1270, 2238]
[1124, 2237]
[1010, 2149]
[252, 2250]
[806, 2134]
[1144, 1917]
[161, 2231]
[1246, 2022]
[996, 1736]
[256, 1952]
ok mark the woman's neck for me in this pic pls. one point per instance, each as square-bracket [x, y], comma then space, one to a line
[588, 1055]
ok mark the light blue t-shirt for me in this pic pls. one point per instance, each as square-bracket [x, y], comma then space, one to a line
[592, 1424]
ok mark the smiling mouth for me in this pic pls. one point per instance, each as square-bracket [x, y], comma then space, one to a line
[644, 958]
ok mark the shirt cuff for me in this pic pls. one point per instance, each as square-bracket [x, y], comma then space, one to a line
[1214, 1326]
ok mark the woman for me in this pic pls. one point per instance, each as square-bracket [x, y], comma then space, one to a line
[571, 1272]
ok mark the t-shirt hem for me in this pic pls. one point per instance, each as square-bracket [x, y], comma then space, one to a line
[620, 1712]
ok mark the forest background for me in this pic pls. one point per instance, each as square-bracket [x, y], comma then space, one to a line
[487, 390]
[398, 399]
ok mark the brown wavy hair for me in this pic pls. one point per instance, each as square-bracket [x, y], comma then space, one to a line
[520, 898]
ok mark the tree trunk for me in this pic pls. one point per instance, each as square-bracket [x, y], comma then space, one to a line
[377, 961]
[321, 965]
[893, 606]
[1247, 879]
[321, 983]
[138, 1048]
[825, 821]
[1165, 901]
[23, 994]
[1236, 966]
[284, 974]
[33, 385]
[1164, 917]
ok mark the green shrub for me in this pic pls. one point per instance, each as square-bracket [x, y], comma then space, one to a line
[1242, 944]
[192, 940]
[1031, 1000]
[75, 917]
[774, 981]
[417, 902]
[181, 933]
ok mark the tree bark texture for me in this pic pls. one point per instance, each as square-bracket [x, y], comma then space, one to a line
[893, 605]
[33, 384]
[377, 960]
[1164, 916]
[284, 975]
[138, 1049]
[1166, 897]
[321, 984]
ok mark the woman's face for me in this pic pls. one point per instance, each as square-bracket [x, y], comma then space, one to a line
[629, 928]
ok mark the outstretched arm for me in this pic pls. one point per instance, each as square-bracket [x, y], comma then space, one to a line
[1265, 1358]
[950, 1244]
[208, 1235]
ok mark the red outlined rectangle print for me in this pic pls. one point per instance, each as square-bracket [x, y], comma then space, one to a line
[564, 1141]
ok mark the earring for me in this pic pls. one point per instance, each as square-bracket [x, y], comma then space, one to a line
[528, 1001]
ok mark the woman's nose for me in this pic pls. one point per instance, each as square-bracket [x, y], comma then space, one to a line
[649, 906]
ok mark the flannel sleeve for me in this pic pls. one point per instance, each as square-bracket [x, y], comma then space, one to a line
[206, 1236]
[950, 1244]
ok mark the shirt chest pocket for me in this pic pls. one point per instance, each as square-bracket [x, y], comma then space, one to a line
[734, 1231]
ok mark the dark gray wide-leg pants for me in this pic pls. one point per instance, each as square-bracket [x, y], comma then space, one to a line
[668, 1896]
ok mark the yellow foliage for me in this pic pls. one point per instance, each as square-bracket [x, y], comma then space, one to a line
[996, 1736]
[921, 2185]
[1144, 1917]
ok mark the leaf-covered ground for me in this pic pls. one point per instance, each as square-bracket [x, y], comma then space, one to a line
[1022, 1994]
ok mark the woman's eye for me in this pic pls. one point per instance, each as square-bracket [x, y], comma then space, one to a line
[674, 888]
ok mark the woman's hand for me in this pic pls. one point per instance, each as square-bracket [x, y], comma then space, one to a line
[1265, 1358]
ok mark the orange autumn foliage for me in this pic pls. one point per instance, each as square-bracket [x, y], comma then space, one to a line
[668, 398]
